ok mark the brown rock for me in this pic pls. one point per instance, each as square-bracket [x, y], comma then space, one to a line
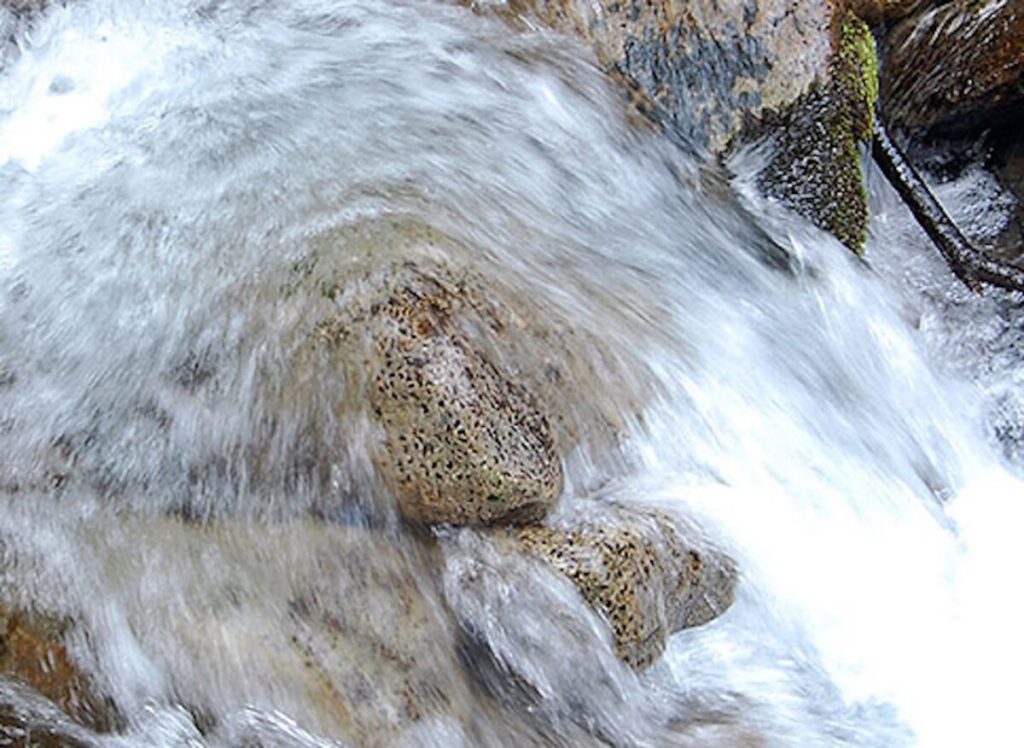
[956, 67]
[32, 650]
[478, 389]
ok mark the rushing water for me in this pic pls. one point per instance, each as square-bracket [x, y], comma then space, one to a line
[847, 432]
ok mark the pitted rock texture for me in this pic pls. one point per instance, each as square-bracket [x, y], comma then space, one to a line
[465, 440]
[465, 443]
[957, 67]
[636, 568]
[415, 333]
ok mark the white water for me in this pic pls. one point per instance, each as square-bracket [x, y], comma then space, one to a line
[163, 167]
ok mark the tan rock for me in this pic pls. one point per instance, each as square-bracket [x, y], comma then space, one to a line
[337, 627]
[478, 390]
[637, 568]
[466, 442]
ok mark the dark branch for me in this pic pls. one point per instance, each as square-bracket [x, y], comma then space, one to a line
[968, 263]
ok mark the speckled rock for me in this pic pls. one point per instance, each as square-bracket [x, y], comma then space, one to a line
[466, 443]
[956, 67]
[637, 568]
[477, 391]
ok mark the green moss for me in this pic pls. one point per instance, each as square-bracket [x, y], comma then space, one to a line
[855, 68]
[816, 169]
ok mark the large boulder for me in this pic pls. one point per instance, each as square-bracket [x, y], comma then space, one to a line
[719, 75]
[465, 442]
[957, 67]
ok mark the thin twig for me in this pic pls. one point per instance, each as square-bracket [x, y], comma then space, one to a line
[968, 263]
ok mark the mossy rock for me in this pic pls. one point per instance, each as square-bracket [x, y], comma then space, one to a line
[639, 571]
[815, 169]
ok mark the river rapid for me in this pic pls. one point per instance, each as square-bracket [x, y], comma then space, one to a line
[849, 431]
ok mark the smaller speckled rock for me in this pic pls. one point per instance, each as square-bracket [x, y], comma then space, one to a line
[466, 444]
[638, 571]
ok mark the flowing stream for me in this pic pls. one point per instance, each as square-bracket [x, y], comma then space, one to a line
[848, 432]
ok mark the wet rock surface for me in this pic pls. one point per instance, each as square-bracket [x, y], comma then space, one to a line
[613, 583]
[705, 66]
[955, 68]
[466, 443]
[33, 652]
[639, 571]
[477, 393]
[721, 75]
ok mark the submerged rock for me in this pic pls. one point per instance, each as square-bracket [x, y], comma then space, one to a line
[556, 620]
[639, 571]
[32, 651]
[720, 75]
[705, 66]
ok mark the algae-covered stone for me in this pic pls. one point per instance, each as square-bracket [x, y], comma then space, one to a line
[638, 570]
[815, 168]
